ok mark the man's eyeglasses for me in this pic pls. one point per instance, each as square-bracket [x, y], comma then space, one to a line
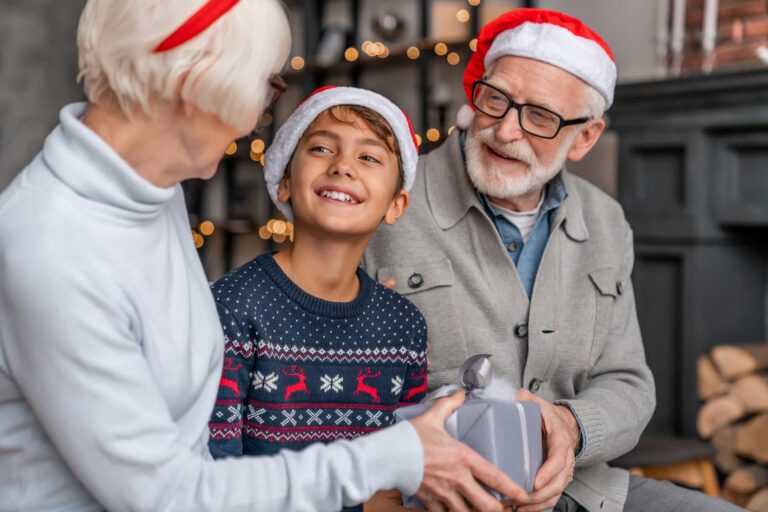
[533, 119]
[278, 86]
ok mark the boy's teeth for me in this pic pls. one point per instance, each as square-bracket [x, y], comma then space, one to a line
[338, 196]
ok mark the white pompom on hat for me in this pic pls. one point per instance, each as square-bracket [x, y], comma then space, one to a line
[288, 136]
[547, 36]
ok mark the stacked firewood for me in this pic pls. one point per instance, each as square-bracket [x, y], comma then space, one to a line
[733, 384]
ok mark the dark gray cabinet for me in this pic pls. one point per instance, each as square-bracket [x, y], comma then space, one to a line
[693, 180]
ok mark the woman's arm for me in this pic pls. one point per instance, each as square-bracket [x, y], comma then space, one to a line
[68, 342]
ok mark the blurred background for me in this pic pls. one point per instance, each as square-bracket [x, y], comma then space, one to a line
[686, 154]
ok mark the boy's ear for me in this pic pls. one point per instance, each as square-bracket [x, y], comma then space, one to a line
[283, 190]
[397, 207]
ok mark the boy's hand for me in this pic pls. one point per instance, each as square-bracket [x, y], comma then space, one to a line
[389, 283]
[452, 469]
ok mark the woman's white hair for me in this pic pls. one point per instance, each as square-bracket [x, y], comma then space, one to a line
[225, 70]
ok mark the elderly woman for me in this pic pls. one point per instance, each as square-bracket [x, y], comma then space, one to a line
[110, 346]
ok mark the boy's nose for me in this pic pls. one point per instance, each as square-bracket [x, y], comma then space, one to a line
[342, 167]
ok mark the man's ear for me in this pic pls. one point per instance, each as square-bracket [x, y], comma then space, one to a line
[397, 207]
[284, 190]
[586, 138]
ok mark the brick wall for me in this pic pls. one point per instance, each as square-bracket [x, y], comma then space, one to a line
[742, 29]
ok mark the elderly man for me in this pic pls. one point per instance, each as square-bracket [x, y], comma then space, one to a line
[506, 253]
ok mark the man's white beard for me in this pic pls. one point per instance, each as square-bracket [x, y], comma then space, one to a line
[493, 180]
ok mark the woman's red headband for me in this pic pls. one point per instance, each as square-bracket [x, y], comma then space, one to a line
[196, 24]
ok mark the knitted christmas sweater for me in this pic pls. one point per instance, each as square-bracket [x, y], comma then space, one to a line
[299, 369]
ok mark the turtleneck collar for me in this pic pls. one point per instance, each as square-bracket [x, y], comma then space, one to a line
[85, 163]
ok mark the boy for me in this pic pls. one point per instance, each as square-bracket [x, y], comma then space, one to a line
[315, 349]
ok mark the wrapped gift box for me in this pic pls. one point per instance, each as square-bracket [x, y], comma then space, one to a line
[508, 434]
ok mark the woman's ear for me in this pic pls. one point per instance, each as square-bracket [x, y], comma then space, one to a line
[283, 190]
[397, 207]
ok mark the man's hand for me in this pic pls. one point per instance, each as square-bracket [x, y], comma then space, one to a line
[561, 439]
[452, 469]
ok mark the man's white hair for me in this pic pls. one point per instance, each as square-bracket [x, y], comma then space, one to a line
[594, 103]
[225, 70]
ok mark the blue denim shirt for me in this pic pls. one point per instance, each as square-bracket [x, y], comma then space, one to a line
[527, 255]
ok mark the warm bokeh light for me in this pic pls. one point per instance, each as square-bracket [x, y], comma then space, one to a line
[351, 54]
[441, 48]
[462, 15]
[418, 139]
[256, 157]
[231, 149]
[198, 238]
[473, 45]
[258, 146]
[263, 160]
[433, 134]
[297, 63]
[453, 58]
[264, 233]
[207, 228]
[413, 53]
[450, 129]
[473, 3]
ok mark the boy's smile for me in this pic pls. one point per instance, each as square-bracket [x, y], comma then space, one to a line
[343, 178]
[338, 195]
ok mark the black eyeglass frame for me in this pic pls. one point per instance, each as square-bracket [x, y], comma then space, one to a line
[519, 107]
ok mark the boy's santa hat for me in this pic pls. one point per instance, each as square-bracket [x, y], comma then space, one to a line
[547, 36]
[281, 150]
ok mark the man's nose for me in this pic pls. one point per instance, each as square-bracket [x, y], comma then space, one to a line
[508, 128]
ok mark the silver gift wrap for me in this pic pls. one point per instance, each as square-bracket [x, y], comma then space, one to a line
[507, 434]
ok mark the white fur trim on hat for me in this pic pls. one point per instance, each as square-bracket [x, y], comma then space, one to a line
[464, 116]
[287, 138]
[560, 47]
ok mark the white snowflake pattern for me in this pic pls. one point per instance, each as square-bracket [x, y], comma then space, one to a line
[397, 385]
[256, 415]
[328, 383]
[373, 418]
[235, 415]
[265, 382]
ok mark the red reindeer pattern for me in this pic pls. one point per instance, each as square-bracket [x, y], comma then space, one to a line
[300, 385]
[229, 383]
[422, 388]
[362, 387]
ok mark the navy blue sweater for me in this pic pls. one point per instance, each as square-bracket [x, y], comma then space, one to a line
[300, 370]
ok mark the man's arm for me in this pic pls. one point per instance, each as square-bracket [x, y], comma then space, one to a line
[619, 396]
[605, 418]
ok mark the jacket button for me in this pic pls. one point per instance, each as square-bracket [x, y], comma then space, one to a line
[416, 280]
[619, 287]
[534, 385]
[512, 247]
[521, 330]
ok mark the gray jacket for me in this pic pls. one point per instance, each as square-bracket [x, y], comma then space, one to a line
[576, 342]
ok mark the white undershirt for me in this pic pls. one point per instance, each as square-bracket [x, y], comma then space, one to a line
[523, 221]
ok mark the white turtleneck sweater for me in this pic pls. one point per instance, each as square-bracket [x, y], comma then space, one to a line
[111, 352]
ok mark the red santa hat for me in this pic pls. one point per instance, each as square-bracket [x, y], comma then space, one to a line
[287, 137]
[547, 36]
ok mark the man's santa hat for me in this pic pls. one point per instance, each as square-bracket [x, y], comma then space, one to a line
[547, 36]
[281, 150]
